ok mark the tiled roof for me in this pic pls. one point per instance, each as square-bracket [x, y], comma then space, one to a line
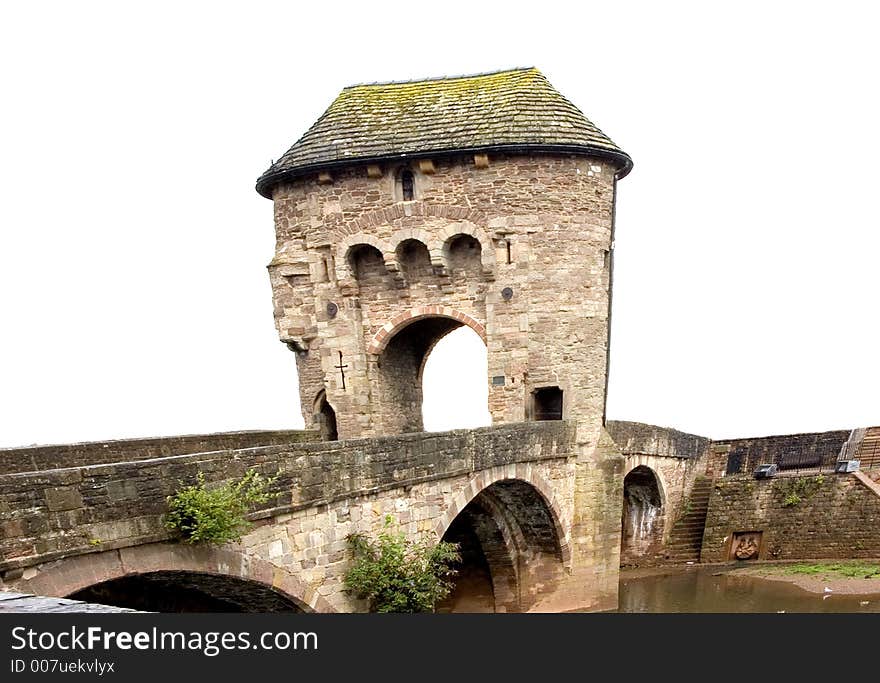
[515, 109]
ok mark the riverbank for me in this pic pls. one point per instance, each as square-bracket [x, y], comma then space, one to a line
[857, 577]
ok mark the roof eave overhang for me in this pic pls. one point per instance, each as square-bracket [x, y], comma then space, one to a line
[267, 181]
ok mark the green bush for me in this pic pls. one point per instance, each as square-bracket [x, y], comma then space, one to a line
[216, 515]
[395, 574]
[791, 499]
[795, 491]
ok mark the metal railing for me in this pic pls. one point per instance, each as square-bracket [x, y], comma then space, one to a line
[807, 452]
[789, 461]
[798, 461]
[869, 455]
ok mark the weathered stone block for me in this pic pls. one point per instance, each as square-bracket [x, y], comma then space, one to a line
[63, 498]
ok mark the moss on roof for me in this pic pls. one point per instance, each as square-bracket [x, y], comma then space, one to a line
[515, 109]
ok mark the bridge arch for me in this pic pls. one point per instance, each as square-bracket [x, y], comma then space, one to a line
[73, 575]
[653, 464]
[643, 514]
[513, 539]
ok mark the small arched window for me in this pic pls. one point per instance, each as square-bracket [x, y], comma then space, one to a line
[406, 185]
[463, 253]
[325, 417]
[365, 262]
[413, 258]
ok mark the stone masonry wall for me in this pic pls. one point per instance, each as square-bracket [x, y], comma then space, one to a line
[38, 458]
[838, 518]
[543, 225]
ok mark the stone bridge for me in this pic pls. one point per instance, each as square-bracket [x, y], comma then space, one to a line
[538, 524]
[505, 493]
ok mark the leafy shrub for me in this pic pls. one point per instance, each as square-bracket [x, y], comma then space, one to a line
[216, 515]
[795, 491]
[791, 499]
[398, 575]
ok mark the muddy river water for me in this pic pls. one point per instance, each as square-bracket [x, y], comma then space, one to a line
[713, 589]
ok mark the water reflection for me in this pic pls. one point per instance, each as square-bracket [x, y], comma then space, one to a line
[709, 589]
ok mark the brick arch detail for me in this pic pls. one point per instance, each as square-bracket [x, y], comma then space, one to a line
[342, 269]
[392, 327]
[463, 220]
[420, 235]
[522, 472]
[487, 251]
[371, 219]
[63, 577]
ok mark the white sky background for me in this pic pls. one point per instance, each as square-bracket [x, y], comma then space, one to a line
[134, 299]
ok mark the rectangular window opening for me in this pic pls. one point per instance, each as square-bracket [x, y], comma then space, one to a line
[547, 403]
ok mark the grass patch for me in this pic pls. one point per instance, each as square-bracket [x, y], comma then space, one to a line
[850, 570]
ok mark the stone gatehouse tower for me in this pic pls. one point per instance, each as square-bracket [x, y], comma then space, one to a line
[412, 208]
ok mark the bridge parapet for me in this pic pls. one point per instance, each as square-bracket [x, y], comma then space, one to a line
[58, 513]
[636, 438]
[39, 458]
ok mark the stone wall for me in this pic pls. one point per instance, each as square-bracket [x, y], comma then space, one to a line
[39, 458]
[44, 515]
[539, 225]
[837, 517]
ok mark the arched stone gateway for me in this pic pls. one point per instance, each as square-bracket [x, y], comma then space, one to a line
[513, 546]
[402, 346]
[643, 516]
[198, 578]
